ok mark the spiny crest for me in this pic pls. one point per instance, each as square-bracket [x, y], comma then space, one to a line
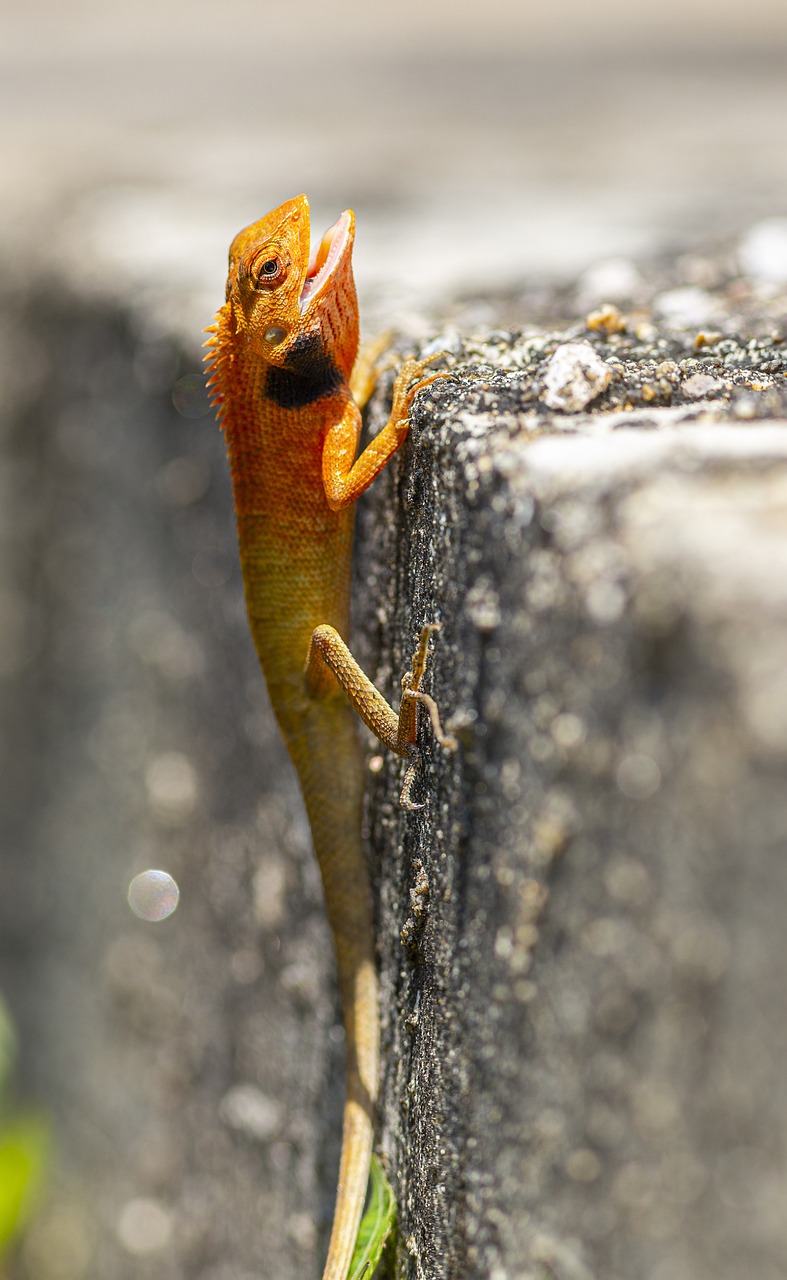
[218, 360]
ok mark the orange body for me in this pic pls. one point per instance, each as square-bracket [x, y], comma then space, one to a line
[281, 353]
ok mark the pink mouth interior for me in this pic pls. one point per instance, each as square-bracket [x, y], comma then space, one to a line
[325, 257]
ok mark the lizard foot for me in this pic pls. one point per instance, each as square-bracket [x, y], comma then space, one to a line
[412, 692]
[411, 379]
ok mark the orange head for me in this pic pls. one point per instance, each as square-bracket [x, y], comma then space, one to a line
[292, 306]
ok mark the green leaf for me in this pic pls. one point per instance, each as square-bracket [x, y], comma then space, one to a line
[24, 1145]
[376, 1224]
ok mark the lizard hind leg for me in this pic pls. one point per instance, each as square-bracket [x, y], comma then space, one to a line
[327, 649]
[368, 366]
[396, 731]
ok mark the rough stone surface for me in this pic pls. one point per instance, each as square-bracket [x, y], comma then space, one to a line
[581, 935]
[574, 377]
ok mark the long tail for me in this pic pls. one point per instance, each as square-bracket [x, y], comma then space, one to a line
[361, 1020]
[331, 771]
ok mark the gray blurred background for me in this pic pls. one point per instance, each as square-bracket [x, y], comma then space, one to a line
[477, 142]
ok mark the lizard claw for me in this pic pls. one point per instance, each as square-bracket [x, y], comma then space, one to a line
[410, 380]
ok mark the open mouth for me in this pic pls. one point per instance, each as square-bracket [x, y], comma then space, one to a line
[325, 258]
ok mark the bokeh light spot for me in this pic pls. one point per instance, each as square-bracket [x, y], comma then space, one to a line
[144, 1226]
[153, 895]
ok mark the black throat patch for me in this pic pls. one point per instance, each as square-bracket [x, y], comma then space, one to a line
[310, 375]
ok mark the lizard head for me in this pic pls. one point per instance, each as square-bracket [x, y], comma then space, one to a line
[285, 298]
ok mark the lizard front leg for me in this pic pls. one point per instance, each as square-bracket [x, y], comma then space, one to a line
[346, 477]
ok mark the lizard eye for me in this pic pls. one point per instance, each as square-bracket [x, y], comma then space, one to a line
[267, 270]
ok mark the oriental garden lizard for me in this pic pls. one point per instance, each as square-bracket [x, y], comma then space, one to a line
[281, 356]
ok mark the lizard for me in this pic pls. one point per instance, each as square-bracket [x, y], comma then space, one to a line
[286, 384]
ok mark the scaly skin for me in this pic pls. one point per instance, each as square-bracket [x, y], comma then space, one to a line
[281, 355]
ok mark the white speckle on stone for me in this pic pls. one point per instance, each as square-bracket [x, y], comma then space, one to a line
[687, 306]
[448, 340]
[701, 384]
[246, 1108]
[575, 375]
[144, 1226]
[762, 252]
